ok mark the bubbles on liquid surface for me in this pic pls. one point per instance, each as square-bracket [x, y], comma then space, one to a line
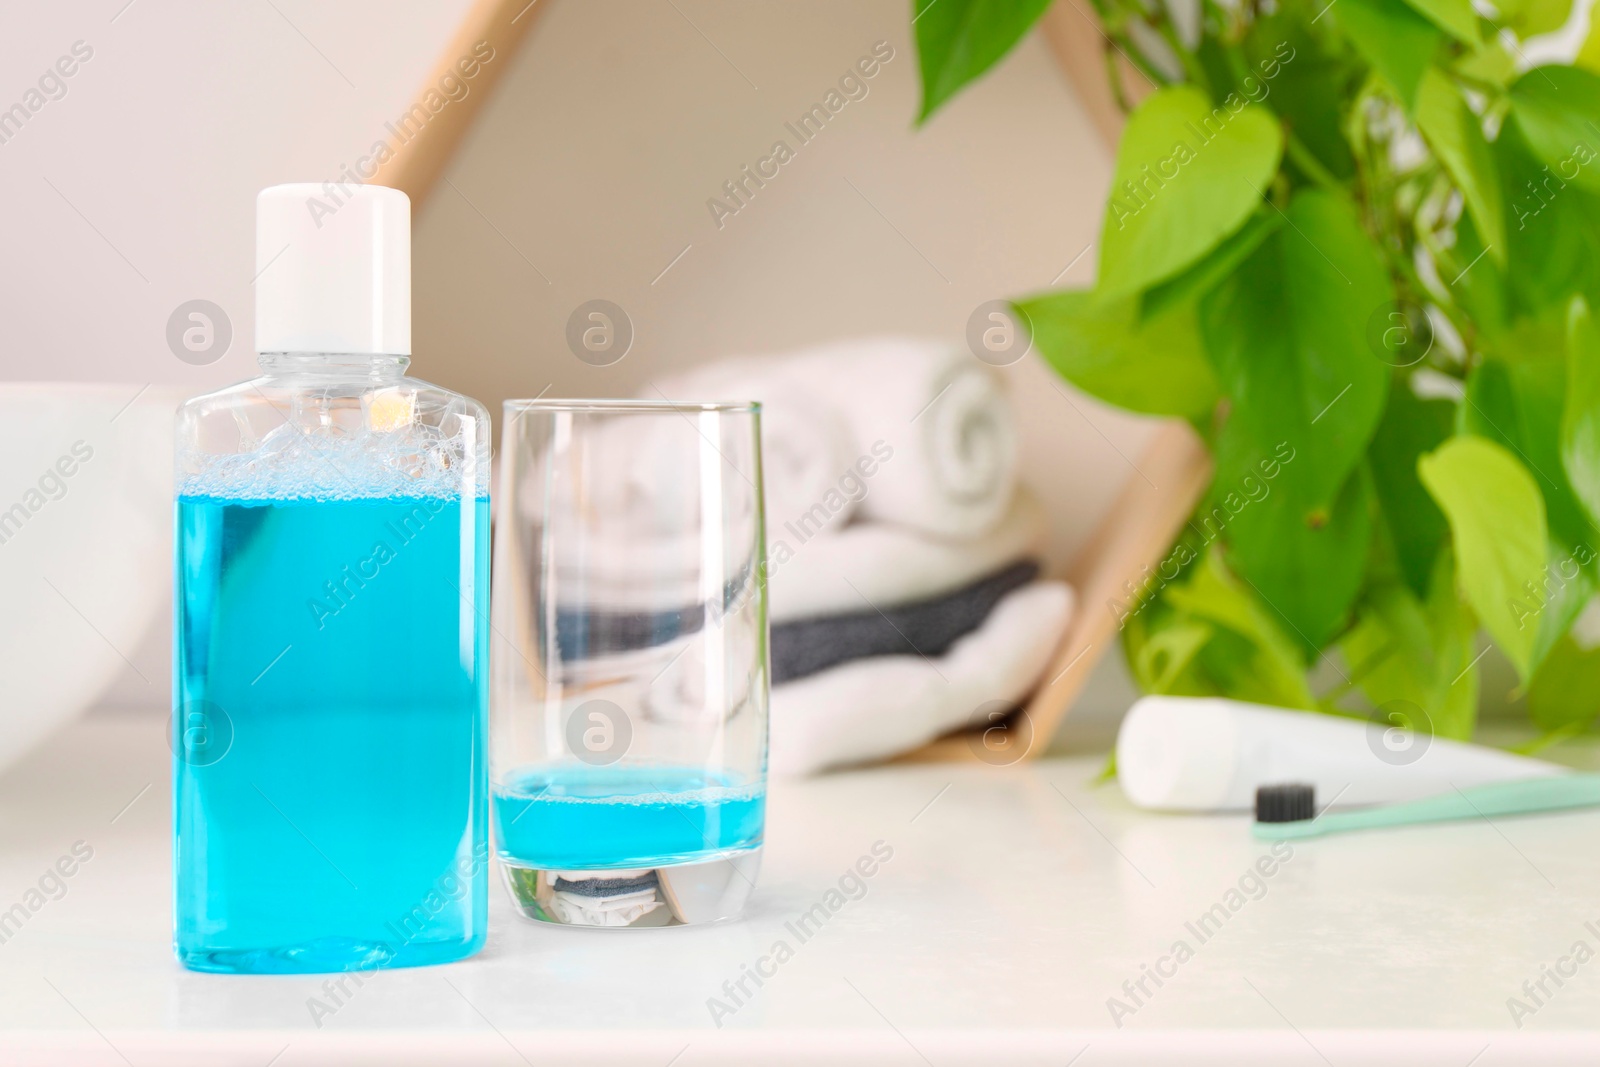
[335, 463]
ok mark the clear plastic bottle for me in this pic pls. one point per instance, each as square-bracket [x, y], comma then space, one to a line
[329, 706]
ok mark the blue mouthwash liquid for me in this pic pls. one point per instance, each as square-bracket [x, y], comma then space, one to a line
[578, 817]
[330, 732]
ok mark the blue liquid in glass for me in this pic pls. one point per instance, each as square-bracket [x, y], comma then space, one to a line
[575, 817]
[329, 732]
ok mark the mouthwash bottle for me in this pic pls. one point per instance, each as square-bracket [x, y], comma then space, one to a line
[329, 709]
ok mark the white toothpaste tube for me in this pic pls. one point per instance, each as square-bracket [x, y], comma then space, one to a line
[1210, 754]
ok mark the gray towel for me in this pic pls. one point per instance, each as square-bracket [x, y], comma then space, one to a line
[925, 627]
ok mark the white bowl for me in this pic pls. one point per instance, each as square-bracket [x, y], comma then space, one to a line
[86, 479]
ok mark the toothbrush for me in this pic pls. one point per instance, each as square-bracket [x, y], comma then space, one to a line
[1285, 812]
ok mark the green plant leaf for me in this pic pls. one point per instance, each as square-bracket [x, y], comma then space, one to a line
[1454, 17]
[1187, 176]
[1308, 572]
[1490, 63]
[1565, 693]
[1421, 651]
[1589, 54]
[1207, 274]
[1580, 417]
[1454, 134]
[1155, 366]
[1411, 426]
[1528, 18]
[1455, 631]
[1552, 231]
[1260, 662]
[1162, 655]
[1395, 39]
[1516, 398]
[1308, 77]
[1497, 525]
[1480, 284]
[958, 40]
[1288, 336]
[1569, 585]
[1557, 110]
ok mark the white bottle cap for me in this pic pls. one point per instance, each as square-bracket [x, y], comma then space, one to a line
[333, 269]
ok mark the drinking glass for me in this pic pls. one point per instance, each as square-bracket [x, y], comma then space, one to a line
[629, 670]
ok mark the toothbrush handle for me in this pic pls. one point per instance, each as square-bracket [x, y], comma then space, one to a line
[1556, 793]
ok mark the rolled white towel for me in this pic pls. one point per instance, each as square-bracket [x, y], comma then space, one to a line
[806, 445]
[936, 421]
[639, 475]
[871, 709]
[888, 565]
[949, 421]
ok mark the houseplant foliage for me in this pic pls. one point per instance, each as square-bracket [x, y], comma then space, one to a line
[1356, 245]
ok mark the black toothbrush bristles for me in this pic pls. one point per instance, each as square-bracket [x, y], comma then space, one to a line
[1286, 802]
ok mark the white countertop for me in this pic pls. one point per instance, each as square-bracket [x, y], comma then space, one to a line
[1017, 902]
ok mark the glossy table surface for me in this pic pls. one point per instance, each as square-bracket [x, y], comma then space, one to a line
[1019, 918]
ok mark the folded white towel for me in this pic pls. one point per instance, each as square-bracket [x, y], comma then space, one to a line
[830, 574]
[707, 675]
[600, 571]
[618, 520]
[874, 708]
[943, 417]
[889, 565]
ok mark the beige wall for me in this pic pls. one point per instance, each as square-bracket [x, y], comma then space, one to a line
[134, 192]
[158, 148]
[595, 161]
[593, 165]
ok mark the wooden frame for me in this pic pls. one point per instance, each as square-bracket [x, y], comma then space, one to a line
[1160, 492]
[418, 164]
[1142, 524]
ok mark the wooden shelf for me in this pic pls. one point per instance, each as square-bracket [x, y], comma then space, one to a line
[1170, 475]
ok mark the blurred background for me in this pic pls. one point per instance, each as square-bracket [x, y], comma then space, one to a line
[586, 176]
